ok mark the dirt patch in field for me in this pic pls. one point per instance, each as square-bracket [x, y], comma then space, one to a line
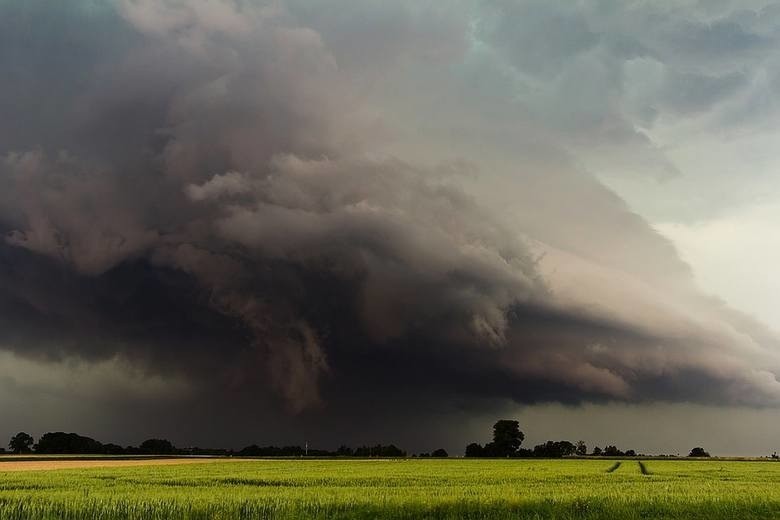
[49, 465]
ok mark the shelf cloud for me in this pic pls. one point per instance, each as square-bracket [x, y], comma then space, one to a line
[315, 207]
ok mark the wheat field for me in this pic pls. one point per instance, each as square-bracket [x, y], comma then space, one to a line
[402, 488]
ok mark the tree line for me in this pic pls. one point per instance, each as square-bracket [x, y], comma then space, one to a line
[343, 451]
[62, 443]
[508, 438]
[507, 442]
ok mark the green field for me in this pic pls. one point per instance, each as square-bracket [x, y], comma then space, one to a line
[407, 488]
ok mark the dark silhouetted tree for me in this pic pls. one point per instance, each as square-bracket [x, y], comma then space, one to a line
[272, 451]
[250, 451]
[580, 448]
[113, 449]
[630, 453]
[157, 447]
[474, 450]
[345, 451]
[440, 453]
[379, 451]
[554, 449]
[612, 451]
[507, 439]
[21, 443]
[596, 451]
[61, 442]
[698, 452]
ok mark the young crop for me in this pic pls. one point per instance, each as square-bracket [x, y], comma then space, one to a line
[395, 489]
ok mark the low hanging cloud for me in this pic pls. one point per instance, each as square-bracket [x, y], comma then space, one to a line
[226, 197]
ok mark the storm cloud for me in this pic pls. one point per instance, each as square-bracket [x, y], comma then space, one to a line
[307, 206]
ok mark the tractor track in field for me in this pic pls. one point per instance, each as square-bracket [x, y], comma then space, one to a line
[614, 467]
[643, 469]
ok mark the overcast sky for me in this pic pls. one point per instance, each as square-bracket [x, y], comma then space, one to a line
[348, 221]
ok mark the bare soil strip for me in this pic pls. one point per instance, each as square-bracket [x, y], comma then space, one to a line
[49, 465]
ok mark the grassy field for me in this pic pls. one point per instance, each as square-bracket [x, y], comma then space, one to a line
[454, 488]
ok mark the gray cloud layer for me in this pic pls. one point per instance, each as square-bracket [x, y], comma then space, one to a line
[327, 207]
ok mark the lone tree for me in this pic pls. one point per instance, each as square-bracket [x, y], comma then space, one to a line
[507, 438]
[21, 443]
[698, 452]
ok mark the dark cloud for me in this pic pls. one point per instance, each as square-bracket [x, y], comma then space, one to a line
[214, 203]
